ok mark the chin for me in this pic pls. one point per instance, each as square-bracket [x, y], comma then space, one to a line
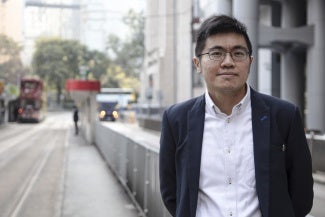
[231, 89]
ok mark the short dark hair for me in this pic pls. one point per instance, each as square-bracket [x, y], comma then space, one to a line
[220, 24]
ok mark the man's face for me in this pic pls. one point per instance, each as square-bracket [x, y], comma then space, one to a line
[224, 75]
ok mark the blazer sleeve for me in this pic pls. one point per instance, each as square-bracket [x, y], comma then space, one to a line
[167, 171]
[299, 168]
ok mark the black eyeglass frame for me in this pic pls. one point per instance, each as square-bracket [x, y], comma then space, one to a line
[225, 54]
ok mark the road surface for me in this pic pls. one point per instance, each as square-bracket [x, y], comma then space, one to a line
[47, 171]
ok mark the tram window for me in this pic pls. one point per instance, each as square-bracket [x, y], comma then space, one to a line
[37, 104]
[30, 85]
[22, 103]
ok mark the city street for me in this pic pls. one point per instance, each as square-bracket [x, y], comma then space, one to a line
[32, 168]
[47, 171]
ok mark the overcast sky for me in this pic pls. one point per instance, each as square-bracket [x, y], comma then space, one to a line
[124, 5]
[116, 9]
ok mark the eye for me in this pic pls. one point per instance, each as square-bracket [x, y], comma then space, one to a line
[216, 53]
[239, 53]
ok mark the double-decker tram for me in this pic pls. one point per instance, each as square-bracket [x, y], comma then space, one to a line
[32, 100]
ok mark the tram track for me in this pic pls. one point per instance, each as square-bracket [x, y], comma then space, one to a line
[21, 132]
[30, 181]
[32, 167]
[17, 131]
[22, 129]
[22, 163]
[19, 139]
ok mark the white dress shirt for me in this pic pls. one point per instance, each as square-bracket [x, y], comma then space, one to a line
[227, 176]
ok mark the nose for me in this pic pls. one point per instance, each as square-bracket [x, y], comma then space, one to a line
[227, 60]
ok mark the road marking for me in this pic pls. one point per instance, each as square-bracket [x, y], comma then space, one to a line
[20, 138]
[32, 179]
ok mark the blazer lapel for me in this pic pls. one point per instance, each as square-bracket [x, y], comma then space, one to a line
[261, 138]
[195, 135]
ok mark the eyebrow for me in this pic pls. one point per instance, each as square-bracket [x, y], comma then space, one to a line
[235, 47]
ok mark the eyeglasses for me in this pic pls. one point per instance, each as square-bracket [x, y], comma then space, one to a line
[238, 54]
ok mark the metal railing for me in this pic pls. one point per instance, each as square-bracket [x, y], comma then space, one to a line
[132, 154]
[317, 149]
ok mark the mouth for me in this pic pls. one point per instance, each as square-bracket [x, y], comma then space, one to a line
[227, 74]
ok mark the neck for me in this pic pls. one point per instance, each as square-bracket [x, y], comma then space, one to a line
[225, 101]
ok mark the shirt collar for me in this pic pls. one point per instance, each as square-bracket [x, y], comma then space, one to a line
[212, 108]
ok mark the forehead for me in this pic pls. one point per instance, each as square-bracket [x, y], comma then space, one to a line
[225, 40]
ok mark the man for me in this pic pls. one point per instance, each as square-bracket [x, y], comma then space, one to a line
[233, 151]
[76, 119]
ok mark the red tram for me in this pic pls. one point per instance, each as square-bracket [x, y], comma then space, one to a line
[32, 103]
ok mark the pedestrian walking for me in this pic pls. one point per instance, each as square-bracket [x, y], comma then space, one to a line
[76, 119]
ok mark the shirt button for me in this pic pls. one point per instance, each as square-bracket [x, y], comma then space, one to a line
[228, 120]
[229, 181]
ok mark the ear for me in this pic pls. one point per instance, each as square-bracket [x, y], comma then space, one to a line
[197, 64]
[251, 58]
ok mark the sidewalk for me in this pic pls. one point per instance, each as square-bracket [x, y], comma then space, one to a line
[319, 177]
[90, 188]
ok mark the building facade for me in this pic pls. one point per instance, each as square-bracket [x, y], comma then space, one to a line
[167, 67]
[11, 17]
[288, 48]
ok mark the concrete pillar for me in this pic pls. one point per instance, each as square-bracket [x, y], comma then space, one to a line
[276, 60]
[248, 12]
[292, 77]
[224, 7]
[315, 113]
[293, 63]
[184, 53]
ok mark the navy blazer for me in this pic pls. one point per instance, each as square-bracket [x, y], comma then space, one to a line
[284, 182]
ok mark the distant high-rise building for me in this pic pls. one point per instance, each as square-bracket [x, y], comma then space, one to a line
[11, 17]
[93, 24]
[49, 18]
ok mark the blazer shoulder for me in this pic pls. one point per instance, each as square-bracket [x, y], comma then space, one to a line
[180, 108]
[274, 103]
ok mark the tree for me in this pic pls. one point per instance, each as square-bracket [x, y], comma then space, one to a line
[115, 77]
[56, 60]
[128, 55]
[134, 48]
[8, 48]
[11, 67]
[97, 63]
